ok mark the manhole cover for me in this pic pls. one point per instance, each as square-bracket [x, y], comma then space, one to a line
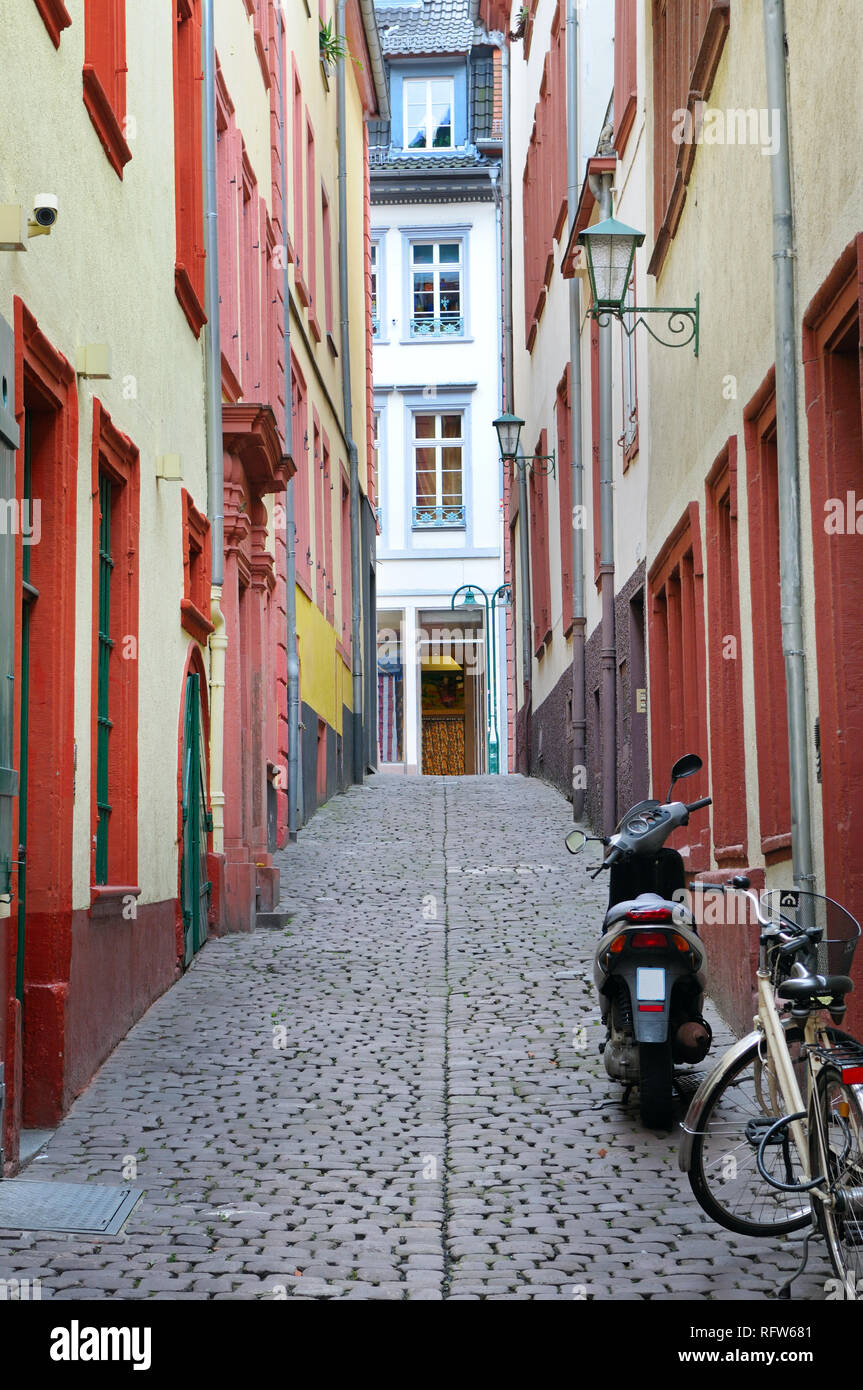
[65, 1206]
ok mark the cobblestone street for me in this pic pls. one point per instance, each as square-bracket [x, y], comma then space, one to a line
[393, 1097]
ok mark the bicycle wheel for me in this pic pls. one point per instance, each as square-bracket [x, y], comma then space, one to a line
[723, 1171]
[836, 1150]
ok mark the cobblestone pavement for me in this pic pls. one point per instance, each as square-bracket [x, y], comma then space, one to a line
[390, 1098]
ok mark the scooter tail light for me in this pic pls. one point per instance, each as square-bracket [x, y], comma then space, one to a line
[648, 938]
[680, 942]
[617, 944]
[649, 914]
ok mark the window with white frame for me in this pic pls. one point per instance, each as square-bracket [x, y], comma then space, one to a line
[438, 452]
[376, 289]
[427, 114]
[436, 289]
[376, 465]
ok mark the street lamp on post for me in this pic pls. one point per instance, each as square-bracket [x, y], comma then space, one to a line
[509, 429]
[502, 592]
[609, 248]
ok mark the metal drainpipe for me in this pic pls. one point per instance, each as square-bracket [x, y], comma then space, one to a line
[356, 593]
[608, 659]
[788, 449]
[215, 458]
[520, 466]
[290, 524]
[579, 714]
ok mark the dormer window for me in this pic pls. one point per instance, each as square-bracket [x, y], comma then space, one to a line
[428, 113]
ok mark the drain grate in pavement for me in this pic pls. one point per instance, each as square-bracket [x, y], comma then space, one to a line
[81, 1207]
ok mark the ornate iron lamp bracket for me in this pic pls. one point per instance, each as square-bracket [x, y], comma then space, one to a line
[683, 324]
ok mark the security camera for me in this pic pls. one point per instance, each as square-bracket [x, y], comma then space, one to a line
[46, 210]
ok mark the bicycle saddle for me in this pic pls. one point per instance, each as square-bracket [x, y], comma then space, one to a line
[816, 985]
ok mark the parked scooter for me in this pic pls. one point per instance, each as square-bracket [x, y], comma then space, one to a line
[650, 964]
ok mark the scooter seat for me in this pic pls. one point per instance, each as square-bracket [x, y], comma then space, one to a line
[644, 901]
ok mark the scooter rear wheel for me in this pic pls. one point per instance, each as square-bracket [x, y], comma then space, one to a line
[655, 1084]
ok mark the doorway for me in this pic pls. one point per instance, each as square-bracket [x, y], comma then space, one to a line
[194, 882]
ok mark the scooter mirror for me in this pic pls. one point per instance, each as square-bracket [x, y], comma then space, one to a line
[687, 766]
[575, 841]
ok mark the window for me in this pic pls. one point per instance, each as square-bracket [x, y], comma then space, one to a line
[436, 289]
[311, 233]
[771, 711]
[688, 39]
[116, 483]
[428, 107]
[727, 748]
[188, 164]
[677, 669]
[625, 71]
[327, 234]
[376, 462]
[438, 448]
[544, 181]
[195, 603]
[540, 571]
[105, 76]
[375, 288]
[345, 576]
[297, 131]
[564, 477]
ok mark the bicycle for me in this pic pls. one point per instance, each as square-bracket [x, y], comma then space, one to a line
[773, 1138]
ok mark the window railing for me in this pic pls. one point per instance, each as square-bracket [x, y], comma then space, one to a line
[447, 326]
[427, 518]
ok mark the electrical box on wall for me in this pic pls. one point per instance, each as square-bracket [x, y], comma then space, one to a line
[93, 360]
[12, 235]
[169, 467]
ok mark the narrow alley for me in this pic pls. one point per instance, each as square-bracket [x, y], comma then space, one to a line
[398, 1096]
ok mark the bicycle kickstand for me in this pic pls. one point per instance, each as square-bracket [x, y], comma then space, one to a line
[785, 1290]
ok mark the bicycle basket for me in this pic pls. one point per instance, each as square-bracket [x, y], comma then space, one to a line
[840, 931]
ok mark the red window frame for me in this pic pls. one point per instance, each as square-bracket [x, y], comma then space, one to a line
[832, 333]
[302, 504]
[771, 711]
[727, 747]
[544, 180]
[327, 502]
[678, 698]
[625, 71]
[188, 164]
[311, 232]
[195, 603]
[298, 133]
[595, 450]
[115, 454]
[327, 247]
[228, 172]
[55, 17]
[539, 567]
[104, 76]
[317, 465]
[345, 539]
[688, 39]
[564, 493]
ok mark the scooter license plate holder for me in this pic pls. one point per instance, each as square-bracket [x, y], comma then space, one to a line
[650, 983]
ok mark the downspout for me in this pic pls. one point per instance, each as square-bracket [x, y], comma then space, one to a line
[290, 524]
[215, 457]
[790, 565]
[502, 614]
[579, 715]
[356, 594]
[608, 653]
[520, 465]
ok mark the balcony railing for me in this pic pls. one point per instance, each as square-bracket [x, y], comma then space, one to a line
[447, 326]
[426, 518]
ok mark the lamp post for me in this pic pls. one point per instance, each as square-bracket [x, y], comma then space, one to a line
[509, 429]
[609, 248]
[502, 592]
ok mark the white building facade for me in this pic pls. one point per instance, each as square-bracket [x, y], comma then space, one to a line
[436, 268]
